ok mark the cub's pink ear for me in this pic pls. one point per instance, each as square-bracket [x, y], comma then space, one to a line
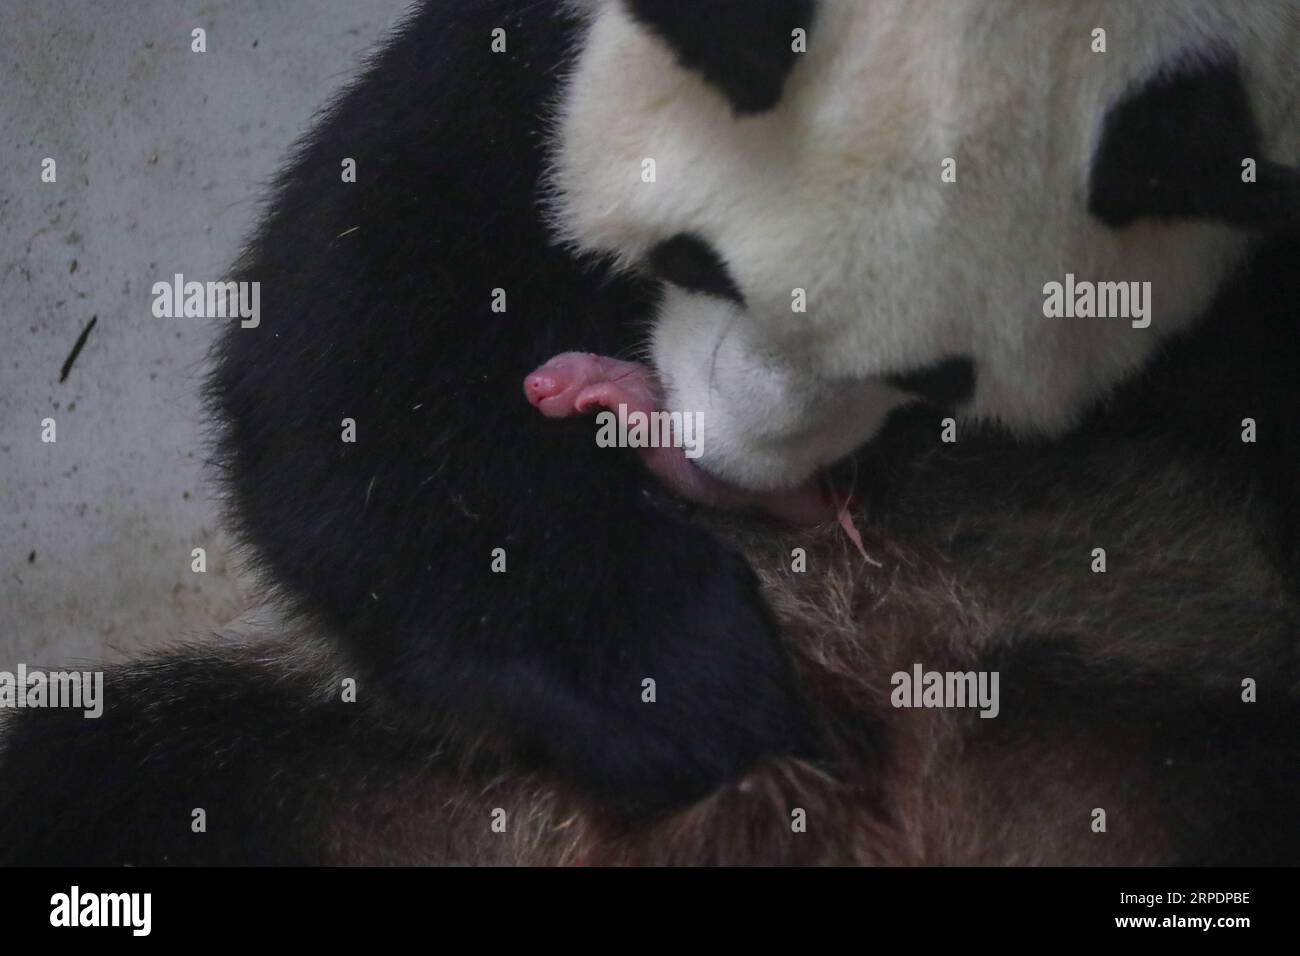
[1186, 145]
[743, 47]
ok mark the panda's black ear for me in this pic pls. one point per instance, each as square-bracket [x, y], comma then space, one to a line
[1186, 145]
[746, 48]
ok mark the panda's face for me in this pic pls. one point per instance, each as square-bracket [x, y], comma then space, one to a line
[891, 225]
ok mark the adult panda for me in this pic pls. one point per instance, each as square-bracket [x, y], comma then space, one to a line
[514, 163]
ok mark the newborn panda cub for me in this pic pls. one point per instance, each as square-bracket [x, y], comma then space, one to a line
[576, 383]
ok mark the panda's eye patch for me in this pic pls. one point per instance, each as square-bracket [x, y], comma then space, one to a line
[691, 263]
[944, 384]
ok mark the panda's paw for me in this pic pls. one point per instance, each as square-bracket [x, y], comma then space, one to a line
[682, 686]
[728, 700]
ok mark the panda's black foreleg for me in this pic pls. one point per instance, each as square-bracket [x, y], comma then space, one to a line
[477, 561]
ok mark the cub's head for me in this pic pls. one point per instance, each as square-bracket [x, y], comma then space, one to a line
[856, 203]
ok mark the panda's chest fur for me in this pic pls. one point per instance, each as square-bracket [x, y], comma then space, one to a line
[922, 180]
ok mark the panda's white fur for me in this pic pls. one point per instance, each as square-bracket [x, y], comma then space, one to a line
[838, 192]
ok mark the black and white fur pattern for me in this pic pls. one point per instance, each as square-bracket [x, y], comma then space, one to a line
[820, 171]
[836, 190]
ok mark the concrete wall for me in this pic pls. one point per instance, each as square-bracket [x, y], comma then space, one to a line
[162, 155]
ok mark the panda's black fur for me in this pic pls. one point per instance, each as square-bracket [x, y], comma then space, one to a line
[522, 689]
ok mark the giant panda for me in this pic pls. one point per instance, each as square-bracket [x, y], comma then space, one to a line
[830, 229]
